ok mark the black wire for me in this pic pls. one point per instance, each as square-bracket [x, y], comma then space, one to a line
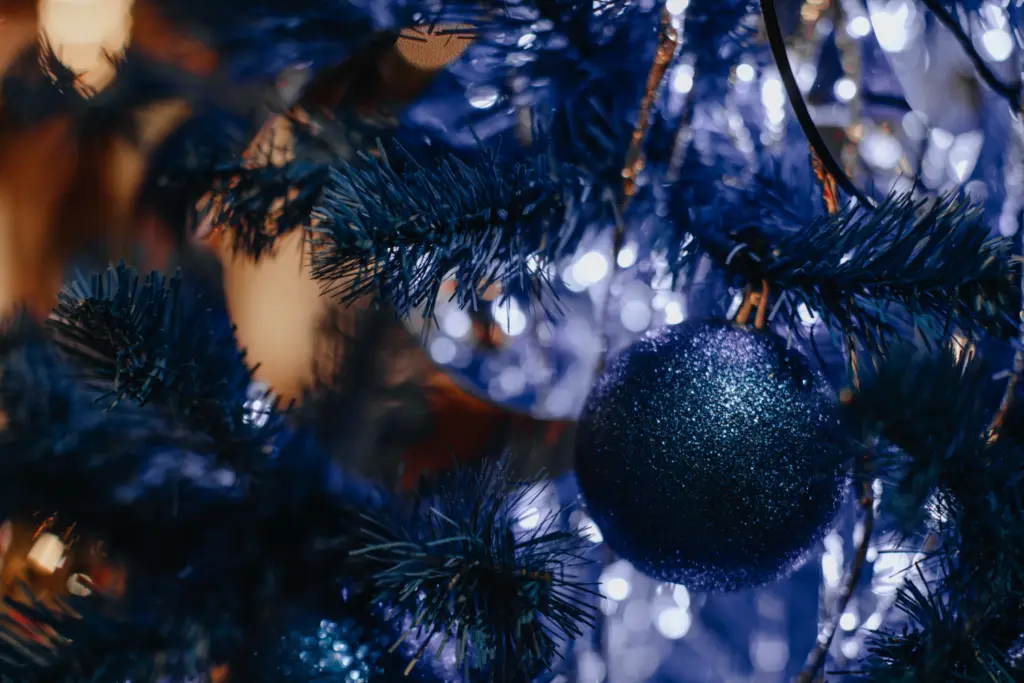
[803, 116]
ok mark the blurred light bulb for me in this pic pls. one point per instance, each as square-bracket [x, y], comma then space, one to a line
[627, 256]
[994, 14]
[848, 621]
[858, 27]
[963, 154]
[681, 596]
[941, 138]
[881, 150]
[830, 570]
[509, 316]
[616, 588]
[529, 519]
[47, 554]
[482, 97]
[635, 315]
[891, 26]
[773, 95]
[455, 322]
[998, 44]
[614, 582]
[682, 79]
[677, 7]
[808, 317]
[674, 313]
[590, 269]
[845, 89]
[806, 74]
[770, 653]
[674, 622]
[443, 350]
[745, 72]
[590, 531]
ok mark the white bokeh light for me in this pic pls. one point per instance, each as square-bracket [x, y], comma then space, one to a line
[770, 653]
[963, 154]
[590, 269]
[589, 530]
[881, 150]
[482, 97]
[529, 519]
[998, 44]
[674, 622]
[745, 72]
[892, 25]
[443, 350]
[455, 322]
[845, 89]
[773, 95]
[858, 27]
[808, 317]
[509, 316]
[941, 138]
[681, 596]
[635, 315]
[674, 313]
[848, 621]
[615, 588]
[682, 79]
[615, 582]
[806, 74]
[627, 256]
[676, 7]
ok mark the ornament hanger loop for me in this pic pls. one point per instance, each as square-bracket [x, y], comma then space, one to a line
[752, 299]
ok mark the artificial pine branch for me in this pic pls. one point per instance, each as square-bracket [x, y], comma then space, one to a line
[148, 341]
[934, 410]
[930, 262]
[939, 643]
[504, 597]
[398, 232]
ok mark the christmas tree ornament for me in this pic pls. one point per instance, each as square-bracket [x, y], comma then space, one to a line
[349, 645]
[327, 650]
[711, 455]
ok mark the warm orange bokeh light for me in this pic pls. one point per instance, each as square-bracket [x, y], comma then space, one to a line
[83, 32]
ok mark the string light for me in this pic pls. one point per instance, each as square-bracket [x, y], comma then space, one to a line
[845, 89]
[858, 27]
[47, 554]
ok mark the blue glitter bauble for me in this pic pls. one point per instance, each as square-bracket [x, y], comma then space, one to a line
[710, 455]
[329, 651]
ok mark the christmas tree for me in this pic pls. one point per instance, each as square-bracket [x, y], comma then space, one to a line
[740, 280]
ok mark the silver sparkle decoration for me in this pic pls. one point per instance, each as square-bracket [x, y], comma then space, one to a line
[334, 653]
[259, 404]
[546, 351]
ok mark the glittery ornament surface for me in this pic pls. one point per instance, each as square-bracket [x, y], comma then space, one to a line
[330, 652]
[710, 455]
